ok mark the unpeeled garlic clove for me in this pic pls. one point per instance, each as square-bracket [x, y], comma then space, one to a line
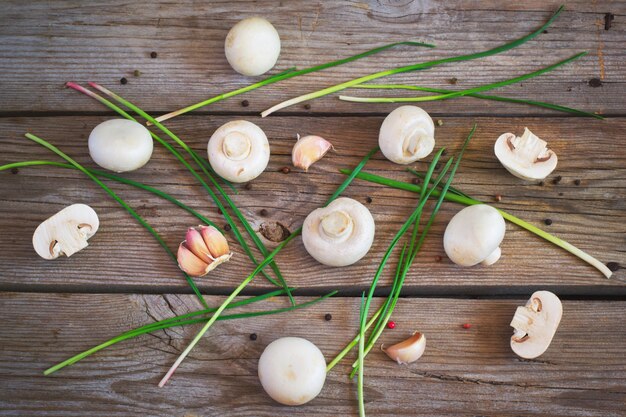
[202, 251]
[308, 150]
[407, 351]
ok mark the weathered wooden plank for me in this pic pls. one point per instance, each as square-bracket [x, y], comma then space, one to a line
[45, 44]
[124, 257]
[463, 372]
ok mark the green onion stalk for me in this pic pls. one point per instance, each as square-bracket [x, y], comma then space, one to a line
[290, 73]
[413, 67]
[468, 201]
[186, 319]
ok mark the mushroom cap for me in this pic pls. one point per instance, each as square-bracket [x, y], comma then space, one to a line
[66, 232]
[292, 370]
[407, 135]
[527, 157]
[473, 234]
[120, 145]
[339, 234]
[239, 151]
[252, 46]
[535, 324]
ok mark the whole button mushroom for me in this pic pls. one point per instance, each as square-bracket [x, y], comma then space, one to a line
[252, 46]
[339, 234]
[407, 135]
[120, 145]
[239, 151]
[292, 370]
[535, 324]
[527, 157]
[66, 232]
[474, 235]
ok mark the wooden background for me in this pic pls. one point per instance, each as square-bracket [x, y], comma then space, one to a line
[52, 310]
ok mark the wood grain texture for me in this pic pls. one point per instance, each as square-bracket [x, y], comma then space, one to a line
[591, 215]
[45, 44]
[463, 372]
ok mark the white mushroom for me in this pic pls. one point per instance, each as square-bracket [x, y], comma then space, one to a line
[292, 370]
[120, 145]
[339, 234]
[239, 151]
[252, 46]
[66, 232]
[474, 235]
[527, 157]
[535, 324]
[407, 135]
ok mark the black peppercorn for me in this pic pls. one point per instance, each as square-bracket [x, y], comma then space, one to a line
[548, 222]
[328, 317]
[248, 186]
[14, 171]
[263, 212]
[307, 106]
[595, 82]
[153, 54]
[123, 81]
[227, 228]
[253, 336]
[245, 103]
[576, 182]
[557, 179]
[368, 200]
[285, 170]
[613, 266]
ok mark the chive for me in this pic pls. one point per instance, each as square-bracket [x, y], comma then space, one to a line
[415, 248]
[122, 203]
[119, 179]
[286, 75]
[250, 277]
[198, 161]
[471, 91]
[182, 320]
[450, 196]
[362, 320]
[413, 67]
[450, 189]
[483, 97]
[182, 160]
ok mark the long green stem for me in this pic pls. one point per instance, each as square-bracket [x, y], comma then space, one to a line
[181, 159]
[551, 106]
[183, 320]
[362, 320]
[250, 277]
[119, 179]
[470, 91]
[286, 75]
[515, 220]
[199, 163]
[120, 202]
[413, 67]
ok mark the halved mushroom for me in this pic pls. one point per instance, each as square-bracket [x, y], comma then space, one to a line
[406, 135]
[339, 234]
[474, 235]
[527, 157]
[535, 324]
[65, 232]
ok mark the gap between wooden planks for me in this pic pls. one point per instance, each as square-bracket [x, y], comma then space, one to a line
[463, 371]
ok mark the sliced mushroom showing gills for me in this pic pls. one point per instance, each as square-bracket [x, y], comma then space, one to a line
[239, 151]
[527, 157]
[66, 232]
[535, 324]
[407, 135]
[339, 234]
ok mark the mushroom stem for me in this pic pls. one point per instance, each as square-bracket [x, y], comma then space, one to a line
[492, 258]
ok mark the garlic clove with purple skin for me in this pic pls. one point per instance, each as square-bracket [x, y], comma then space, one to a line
[202, 251]
[308, 150]
[407, 351]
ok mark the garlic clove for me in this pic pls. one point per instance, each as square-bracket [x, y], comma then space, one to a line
[407, 351]
[308, 150]
[195, 243]
[190, 263]
[215, 241]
